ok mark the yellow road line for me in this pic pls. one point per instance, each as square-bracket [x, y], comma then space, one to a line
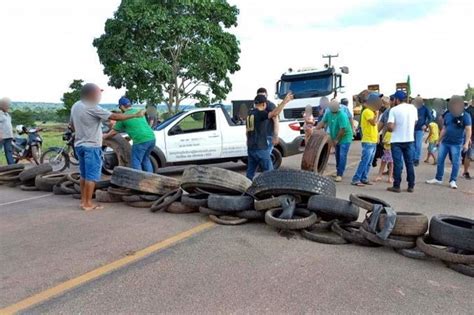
[96, 273]
[26, 199]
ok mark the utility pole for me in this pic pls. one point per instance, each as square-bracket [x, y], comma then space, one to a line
[330, 57]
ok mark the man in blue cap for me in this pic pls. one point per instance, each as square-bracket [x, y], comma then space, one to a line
[141, 134]
[401, 123]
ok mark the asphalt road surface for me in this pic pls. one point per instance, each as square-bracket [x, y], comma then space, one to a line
[57, 259]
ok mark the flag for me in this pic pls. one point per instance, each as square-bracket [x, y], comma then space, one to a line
[408, 86]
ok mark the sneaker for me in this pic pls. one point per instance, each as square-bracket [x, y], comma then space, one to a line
[434, 181]
[410, 189]
[338, 179]
[334, 175]
[453, 185]
[466, 175]
[394, 189]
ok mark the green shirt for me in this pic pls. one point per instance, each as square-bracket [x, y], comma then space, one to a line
[336, 121]
[137, 128]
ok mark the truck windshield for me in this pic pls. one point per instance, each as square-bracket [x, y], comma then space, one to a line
[306, 86]
[168, 121]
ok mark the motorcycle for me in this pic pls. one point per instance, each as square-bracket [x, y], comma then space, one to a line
[28, 148]
[61, 158]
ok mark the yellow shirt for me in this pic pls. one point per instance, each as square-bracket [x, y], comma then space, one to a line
[370, 133]
[386, 140]
[434, 132]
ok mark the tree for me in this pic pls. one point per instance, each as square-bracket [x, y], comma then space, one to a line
[168, 51]
[22, 117]
[469, 93]
[70, 97]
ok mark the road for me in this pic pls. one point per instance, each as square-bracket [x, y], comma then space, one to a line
[57, 259]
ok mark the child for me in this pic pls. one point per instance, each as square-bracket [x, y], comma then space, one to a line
[308, 122]
[386, 158]
[432, 141]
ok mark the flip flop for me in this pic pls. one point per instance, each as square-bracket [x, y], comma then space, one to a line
[96, 207]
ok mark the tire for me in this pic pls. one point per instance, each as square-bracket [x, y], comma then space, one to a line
[57, 190]
[120, 191]
[149, 197]
[143, 181]
[389, 242]
[106, 197]
[367, 202]
[74, 177]
[34, 171]
[316, 153]
[122, 150]
[140, 204]
[208, 211]
[467, 270]
[179, 208]
[272, 203]
[329, 208]
[102, 184]
[195, 200]
[59, 160]
[4, 168]
[227, 220]
[229, 203]
[413, 253]
[36, 154]
[68, 188]
[453, 231]
[131, 198]
[48, 181]
[425, 244]
[28, 188]
[351, 233]
[166, 200]
[77, 188]
[291, 182]
[251, 215]
[277, 158]
[214, 180]
[11, 175]
[323, 236]
[302, 220]
[407, 224]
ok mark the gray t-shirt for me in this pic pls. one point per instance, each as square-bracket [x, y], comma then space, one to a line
[6, 130]
[87, 122]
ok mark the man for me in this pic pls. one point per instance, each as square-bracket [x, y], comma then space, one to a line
[151, 115]
[272, 124]
[340, 132]
[368, 121]
[257, 134]
[455, 138]
[6, 130]
[343, 107]
[424, 118]
[141, 134]
[467, 154]
[86, 119]
[321, 108]
[401, 123]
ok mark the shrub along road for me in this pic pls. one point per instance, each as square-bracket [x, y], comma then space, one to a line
[191, 266]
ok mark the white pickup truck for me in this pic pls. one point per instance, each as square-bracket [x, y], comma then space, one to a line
[209, 135]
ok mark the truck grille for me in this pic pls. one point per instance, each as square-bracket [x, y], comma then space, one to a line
[297, 113]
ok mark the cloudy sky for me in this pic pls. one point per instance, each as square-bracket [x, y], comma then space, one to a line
[45, 44]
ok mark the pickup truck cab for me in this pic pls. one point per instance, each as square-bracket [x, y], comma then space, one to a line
[209, 135]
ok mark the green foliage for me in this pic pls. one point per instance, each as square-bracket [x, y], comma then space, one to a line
[168, 51]
[469, 93]
[22, 117]
[70, 97]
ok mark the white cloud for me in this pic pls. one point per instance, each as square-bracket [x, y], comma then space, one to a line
[46, 44]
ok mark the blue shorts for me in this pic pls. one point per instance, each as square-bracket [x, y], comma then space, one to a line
[432, 147]
[90, 162]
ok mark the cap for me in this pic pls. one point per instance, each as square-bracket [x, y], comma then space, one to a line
[374, 97]
[260, 99]
[123, 101]
[399, 95]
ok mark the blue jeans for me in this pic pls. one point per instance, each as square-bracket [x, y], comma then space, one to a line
[342, 149]
[403, 152]
[418, 144]
[362, 172]
[90, 162]
[256, 158]
[8, 148]
[455, 151]
[141, 156]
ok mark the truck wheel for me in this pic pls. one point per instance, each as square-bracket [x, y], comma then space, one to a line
[277, 158]
[316, 153]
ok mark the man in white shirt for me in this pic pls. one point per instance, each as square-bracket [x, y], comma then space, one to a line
[6, 130]
[401, 122]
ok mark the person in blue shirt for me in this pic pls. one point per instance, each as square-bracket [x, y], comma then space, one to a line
[424, 118]
[455, 138]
